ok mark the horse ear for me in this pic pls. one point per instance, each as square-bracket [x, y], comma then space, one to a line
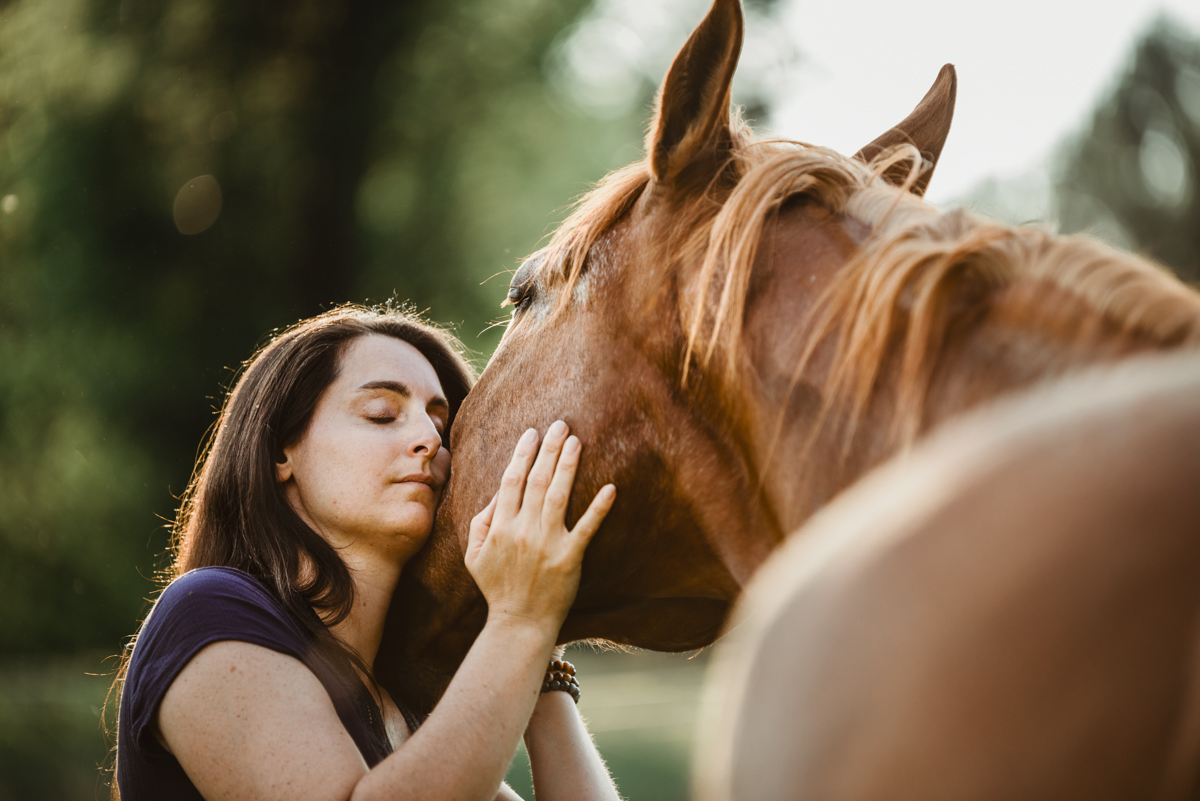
[692, 112]
[926, 128]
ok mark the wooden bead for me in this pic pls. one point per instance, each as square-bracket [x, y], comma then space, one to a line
[560, 676]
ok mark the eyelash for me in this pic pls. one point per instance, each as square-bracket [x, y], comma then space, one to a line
[385, 419]
[519, 297]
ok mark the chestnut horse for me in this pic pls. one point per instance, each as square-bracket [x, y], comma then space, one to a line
[738, 329]
[1008, 611]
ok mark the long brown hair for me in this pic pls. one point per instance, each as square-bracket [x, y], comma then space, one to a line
[234, 512]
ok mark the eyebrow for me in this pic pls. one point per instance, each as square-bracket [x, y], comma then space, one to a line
[402, 390]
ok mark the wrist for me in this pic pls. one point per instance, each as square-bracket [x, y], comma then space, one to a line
[549, 712]
[543, 633]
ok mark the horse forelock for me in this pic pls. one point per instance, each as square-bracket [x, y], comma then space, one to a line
[897, 296]
[593, 215]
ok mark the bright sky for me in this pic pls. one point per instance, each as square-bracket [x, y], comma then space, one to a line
[1029, 72]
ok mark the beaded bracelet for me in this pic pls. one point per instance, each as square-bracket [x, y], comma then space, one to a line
[560, 675]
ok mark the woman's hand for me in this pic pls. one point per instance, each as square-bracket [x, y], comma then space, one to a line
[519, 552]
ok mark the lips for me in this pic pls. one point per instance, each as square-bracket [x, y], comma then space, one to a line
[420, 478]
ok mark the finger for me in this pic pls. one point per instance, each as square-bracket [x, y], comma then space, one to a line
[484, 518]
[512, 483]
[481, 524]
[490, 509]
[595, 513]
[554, 511]
[543, 469]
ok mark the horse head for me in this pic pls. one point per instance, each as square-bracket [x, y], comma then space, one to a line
[620, 327]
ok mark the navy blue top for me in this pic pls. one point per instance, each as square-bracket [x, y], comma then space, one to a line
[201, 607]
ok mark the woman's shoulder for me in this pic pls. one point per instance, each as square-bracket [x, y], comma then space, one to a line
[211, 603]
[201, 607]
[208, 605]
[208, 585]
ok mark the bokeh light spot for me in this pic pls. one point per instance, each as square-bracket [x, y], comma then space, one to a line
[1165, 168]
[197, 205]
[222, 126]
[1187, 90]
[10, 204]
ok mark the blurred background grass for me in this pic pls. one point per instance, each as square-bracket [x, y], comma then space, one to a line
[178, 178]
[640, 707]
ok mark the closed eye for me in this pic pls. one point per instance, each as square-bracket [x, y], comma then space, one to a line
[521, 290]
[519, 297]
[382, 419]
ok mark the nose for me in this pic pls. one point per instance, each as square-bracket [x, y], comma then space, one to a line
[426, 441]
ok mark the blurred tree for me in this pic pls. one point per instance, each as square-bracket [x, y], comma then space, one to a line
[356, 150]
[177, 179]
[1133, 176]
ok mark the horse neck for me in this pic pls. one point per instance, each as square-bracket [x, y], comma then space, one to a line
[1032, 331]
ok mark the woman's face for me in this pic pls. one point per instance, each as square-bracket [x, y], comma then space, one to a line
[370, 468]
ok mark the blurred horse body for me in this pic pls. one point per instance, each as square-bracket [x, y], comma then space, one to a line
[738, 329]
[1008, 611]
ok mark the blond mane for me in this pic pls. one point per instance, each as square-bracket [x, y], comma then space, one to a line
[895, 297]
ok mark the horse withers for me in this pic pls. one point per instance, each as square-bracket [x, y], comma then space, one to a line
[738, 329]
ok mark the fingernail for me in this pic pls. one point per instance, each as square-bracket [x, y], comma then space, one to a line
[610, 490]
[529, 437]
[571, 445]
[558, 428]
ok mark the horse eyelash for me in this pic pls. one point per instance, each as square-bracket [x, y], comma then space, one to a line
[508, 299]
[520, 302]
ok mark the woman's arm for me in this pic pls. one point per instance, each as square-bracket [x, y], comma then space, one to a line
[565, 762]
[246, 722]
[464, 749]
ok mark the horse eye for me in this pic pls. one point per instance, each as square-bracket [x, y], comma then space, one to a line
[520, 296]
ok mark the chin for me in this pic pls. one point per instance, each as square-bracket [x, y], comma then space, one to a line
[415, 524]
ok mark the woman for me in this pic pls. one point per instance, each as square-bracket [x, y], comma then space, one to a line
[251, 677]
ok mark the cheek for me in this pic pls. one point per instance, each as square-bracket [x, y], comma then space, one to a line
[337, 463]
[319, 478]
[441, 465]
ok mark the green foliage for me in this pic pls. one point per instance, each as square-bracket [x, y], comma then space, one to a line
[50, 729]
[363, 151]
[1134, 174]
